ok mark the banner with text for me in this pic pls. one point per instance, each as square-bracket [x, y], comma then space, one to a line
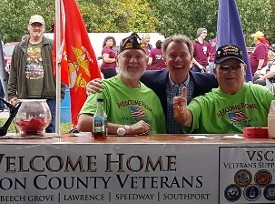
[136, 173]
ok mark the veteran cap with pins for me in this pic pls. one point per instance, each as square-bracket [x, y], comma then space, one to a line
[131, 42]
[228, 52]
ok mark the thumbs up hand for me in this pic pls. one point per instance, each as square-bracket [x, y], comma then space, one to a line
[180, 102]
[181, 114]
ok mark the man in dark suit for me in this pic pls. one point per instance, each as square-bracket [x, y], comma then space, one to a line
[159, 81]
[178, 53]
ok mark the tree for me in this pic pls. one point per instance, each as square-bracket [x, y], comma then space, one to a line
[99, 16]
[270, 32]
[15, 16]
[254, 17]
[165, 17]
[118, 16]
[187, 16]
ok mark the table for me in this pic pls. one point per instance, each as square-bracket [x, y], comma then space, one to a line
[144, 169]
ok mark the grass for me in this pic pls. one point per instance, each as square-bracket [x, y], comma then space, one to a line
[64, 127]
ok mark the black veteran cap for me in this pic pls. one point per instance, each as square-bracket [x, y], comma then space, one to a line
[228, 52]
[132, 42]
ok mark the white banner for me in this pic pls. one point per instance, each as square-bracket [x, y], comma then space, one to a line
[136, 173]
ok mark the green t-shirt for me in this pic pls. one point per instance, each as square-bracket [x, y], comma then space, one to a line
[220, 113]
[126, 105]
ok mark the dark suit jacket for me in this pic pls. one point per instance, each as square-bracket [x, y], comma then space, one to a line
[156, 80]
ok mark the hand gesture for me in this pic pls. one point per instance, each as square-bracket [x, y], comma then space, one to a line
[181, 113]
[94, 86]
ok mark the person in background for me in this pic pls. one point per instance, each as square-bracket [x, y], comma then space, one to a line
[177, 53]
[155, 58]
[146, 41]
[269, 75]
[2, 95]
[259, 56]
[201, 52]
[131, 107]
[108, 66]
[266, 76]
[230, 107]
[212, 51]
[271, 53]
[31, 74]
[2, 44]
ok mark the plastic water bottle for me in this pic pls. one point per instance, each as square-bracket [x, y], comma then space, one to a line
[271, 120]
[100, 122]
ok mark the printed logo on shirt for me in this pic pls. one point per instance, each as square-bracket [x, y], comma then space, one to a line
[204, 49]
[159, 57]
[237, 116]
[134, 103]
[34, 68]
[238, 107]
[137, 112]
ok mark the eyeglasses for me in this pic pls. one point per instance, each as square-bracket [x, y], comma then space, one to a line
[36, 25]
[225, 68]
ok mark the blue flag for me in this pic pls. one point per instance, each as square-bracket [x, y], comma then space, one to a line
[230, 30]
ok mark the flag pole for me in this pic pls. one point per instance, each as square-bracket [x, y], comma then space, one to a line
[57, 66]
[74, 70]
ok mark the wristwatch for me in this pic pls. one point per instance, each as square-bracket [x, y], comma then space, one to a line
[122, 130]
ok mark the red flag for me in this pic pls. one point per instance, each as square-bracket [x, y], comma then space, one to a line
[78, 63]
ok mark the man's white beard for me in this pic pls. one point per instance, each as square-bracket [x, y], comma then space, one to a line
[130, 75]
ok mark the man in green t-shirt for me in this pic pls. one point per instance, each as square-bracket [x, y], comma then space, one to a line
[230, 107]
[131, 107]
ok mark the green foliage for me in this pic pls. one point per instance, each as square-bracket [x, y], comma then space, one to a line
[65, 127]
[270, 32]
[187, 16]
[118, 16]
[165, 17]
[15, 15]
[255, 17]
[98, 15]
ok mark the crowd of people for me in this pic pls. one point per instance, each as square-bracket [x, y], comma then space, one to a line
[200, 102]
[179, 86]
